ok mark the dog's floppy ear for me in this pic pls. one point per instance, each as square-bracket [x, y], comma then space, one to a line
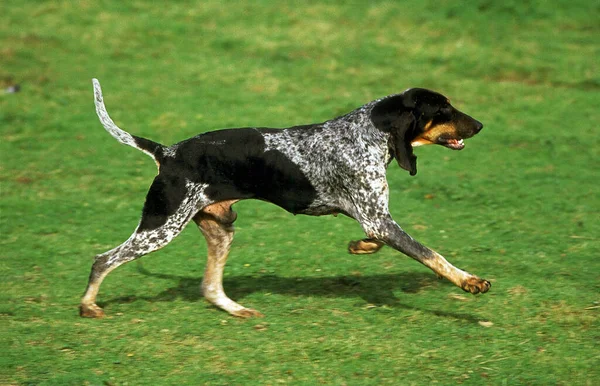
[403, 132]
[392, 116]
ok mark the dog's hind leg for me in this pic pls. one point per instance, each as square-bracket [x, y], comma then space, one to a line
[156, 230]
[138, 245]
[216, 224]
[103, 265]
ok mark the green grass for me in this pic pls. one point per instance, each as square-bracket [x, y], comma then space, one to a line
[518, 206]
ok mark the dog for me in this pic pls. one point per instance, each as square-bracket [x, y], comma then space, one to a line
[338, 166]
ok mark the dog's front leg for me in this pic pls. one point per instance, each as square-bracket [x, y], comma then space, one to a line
[388, 231]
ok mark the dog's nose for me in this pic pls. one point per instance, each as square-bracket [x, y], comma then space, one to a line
[478, 126]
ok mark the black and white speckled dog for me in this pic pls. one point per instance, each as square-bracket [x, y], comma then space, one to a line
[338, 166]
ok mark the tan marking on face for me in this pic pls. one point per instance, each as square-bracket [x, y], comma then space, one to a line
[428, 126]
[420, 142]
[431, 133]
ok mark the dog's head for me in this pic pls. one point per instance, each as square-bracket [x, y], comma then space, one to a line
[421, 117]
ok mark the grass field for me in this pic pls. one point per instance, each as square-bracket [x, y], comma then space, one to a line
[519, 206]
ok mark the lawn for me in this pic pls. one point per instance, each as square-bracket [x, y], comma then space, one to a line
[519, 206]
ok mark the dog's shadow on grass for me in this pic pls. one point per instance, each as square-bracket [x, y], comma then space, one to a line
[377, 290]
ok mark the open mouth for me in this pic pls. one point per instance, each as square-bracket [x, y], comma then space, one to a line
[454, 144]
[450, 143]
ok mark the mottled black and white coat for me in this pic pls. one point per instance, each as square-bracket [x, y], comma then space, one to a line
[338, 166]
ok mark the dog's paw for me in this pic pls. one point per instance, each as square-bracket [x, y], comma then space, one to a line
[90, 311]
[476, 285]
[247, 313]
[364, 247]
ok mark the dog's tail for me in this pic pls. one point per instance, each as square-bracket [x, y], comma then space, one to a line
[153, 149]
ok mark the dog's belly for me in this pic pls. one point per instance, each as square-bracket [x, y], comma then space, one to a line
[323, 210]
[296, 201]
